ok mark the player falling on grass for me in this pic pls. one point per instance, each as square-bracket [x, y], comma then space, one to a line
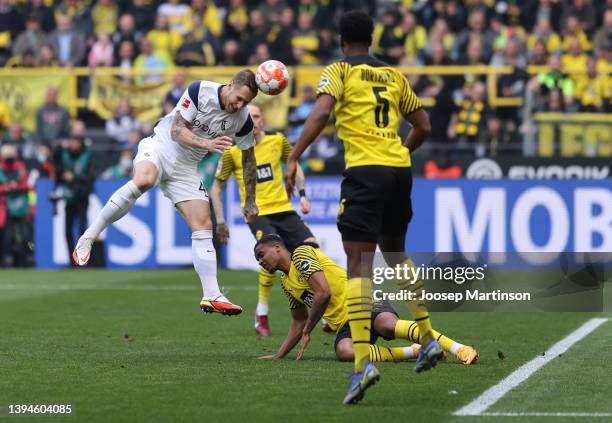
[204, 121]
[311, 280]
[370, 97]
[276, 215]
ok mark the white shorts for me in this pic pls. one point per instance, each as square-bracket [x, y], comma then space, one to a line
[178, 179]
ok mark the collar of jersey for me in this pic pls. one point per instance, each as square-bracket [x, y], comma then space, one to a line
[219, 97]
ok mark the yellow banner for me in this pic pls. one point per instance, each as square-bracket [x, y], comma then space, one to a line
[146, 100]
[24, 94]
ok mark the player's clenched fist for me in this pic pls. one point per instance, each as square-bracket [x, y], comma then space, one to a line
[218, 145]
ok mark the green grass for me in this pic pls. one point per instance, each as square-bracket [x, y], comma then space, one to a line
[133, 347]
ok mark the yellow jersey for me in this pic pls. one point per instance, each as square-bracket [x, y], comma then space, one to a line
[270, 195]
[371, 97]
[306, 260]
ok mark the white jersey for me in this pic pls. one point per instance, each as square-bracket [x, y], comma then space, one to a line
[200, 105]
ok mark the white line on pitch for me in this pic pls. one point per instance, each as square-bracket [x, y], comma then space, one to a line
[536, 414]
[494, 393]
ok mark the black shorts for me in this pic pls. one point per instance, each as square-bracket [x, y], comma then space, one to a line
[288, 225]
[375, 200]
[377, 308]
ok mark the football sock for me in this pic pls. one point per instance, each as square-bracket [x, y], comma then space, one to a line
[115, 208]
[407, 329]
[266, 280]
[417, 307]
[359, 304]
[378, 353]
[205, 262]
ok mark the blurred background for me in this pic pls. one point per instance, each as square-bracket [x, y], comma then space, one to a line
[518, 91]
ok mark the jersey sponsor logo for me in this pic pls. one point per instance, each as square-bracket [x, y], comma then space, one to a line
[201, 187]
[304, 265]
[264, 173]
[204, 128]
[258, 234]
[323, 82]
[307, 298]
[186, 102]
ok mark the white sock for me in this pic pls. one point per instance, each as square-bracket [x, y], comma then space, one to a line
[262, 309]
[205, 262]
[410, 352]
[115, 208]
[455, 347]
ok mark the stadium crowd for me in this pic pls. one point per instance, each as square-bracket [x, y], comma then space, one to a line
[570, 39]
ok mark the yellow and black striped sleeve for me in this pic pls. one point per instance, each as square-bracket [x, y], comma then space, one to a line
[409, 101]
[293, 302]
[225, 168]
[306, 262]
[286, 148]
[332, 80]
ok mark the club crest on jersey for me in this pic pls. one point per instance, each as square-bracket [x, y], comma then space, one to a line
[224, 125]
[304, 265]
[186, 102]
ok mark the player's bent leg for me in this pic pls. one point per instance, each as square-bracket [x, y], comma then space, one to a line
[266, 280]
[117, 206]
[197, 215]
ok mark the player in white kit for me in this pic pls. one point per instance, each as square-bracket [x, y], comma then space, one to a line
[204, 121]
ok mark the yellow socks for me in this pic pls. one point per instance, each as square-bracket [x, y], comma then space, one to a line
[378, 353]
[417, 308]
[407, 329]
[266, 280]
[359, 304]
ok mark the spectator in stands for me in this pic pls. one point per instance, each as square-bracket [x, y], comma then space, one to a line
[584, 11]
[104, 15]
[14, 189]
[163, 37]
[280, 37]
[550, 10]
[537, 54]
[573, 31]
[513, 84]
[31, 39]
[102, 51]
[69, 44]
[199, 47]
[11, 24]
[179, 15]
[467, 123]
[26, 60]
[210, 16]
[134, 138]
[144, 14]
[258, 31]
[328, 46]
[262, 53]
[236, 21]
[47, 57]
[574, 62]
[75, 174]
[151, 59]
[126, 60]
[387, 41]
[592, 89]
[477, 31]
[510, 55]
[272, 10]
[43, 13]
[439, 34]
[174, 95]
[123, 169]
[305, 41]
[554, 102]
[14, 135]
[543, 32]
[495, 138]
[44, 162]
[603, 36]
[52, 120]
[126, 32]
[120, 125]
[414, 39]
[298, 115]
[554, 79]
[79, 12]
[321, 14]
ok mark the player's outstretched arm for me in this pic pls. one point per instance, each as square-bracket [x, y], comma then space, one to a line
[216, 196]
[249, 175]
[312, 128]
[421, 127]
[181, 133]
[299, 315]
[320, 300]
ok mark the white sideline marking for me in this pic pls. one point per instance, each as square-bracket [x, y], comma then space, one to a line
[494, 393]
[536, 414]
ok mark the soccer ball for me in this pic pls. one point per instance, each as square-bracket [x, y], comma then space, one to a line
[272, 77]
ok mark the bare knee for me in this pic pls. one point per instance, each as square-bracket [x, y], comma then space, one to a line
[145, 176]
[344, 350]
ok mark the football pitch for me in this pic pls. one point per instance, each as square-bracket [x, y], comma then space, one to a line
[133, 347]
